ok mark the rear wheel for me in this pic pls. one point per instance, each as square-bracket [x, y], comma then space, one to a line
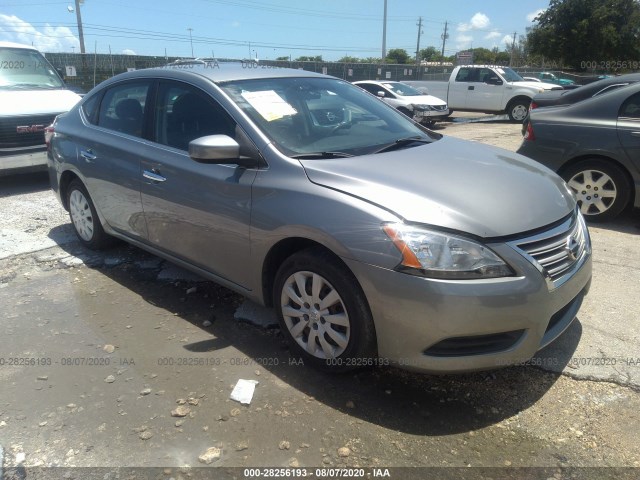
[518, 109]
[84, 218]
[601, 188]
[323, 312]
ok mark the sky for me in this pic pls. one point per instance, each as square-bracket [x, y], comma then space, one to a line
[266, 29]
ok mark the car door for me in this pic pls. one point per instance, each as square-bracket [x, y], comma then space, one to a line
[197, 212]
[487, 93]
[629, 128]
[109, 151]
[461, 87]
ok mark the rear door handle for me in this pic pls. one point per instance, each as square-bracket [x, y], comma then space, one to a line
[153, 175]
[471, 87]
[635, 134]
[88, 155]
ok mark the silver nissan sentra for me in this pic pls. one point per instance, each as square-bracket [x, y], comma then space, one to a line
[375, 239]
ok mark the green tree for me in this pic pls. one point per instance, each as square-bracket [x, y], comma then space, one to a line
[398, 55]
[577, 32]
[348, 59]
[317, 58]
[283, 58]
[430, 54]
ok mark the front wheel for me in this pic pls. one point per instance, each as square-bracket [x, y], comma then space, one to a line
[84, 218]
[323, 312]
[601, 188]
[518, 109]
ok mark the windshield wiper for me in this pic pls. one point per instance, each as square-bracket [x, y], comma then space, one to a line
[402, 142]
[320, 155]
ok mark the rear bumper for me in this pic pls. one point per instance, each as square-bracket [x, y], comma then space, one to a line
[33, 161]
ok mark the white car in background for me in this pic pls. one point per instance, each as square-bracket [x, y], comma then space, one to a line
[423, 108]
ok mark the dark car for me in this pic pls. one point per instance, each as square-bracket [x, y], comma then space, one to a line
[569, 97]
[595, 146]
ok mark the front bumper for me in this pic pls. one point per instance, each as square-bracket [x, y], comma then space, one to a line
[31, 161]
[425, 116]
[443, 326]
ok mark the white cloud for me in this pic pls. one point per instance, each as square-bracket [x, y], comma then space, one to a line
[128, 51]
[532, 16]
[463, 41]
[47, 39]
[492, 35]
[507, 40]
[478, 22]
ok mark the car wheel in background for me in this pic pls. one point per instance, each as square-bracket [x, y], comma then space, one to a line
[601, 187]
[518, 109]
[323, 312]
[84, 218]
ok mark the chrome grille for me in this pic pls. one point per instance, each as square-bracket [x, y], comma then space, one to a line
[559, 252]
[10, 137]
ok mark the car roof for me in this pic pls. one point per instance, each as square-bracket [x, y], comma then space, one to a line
[219, 72]
[17, 45]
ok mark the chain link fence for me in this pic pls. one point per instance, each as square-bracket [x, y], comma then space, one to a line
[83, 72]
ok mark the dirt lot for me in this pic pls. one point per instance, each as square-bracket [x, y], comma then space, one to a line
[120, 359]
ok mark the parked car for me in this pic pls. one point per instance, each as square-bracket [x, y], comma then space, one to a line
[549, 99]
[487, 89]
[565, 83]
[595, 146]
[375, 239]
[31, 95]
[422, 107]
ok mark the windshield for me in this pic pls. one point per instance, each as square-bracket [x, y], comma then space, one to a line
[402, 89]
[25, 69]
[322, 116]
[509, 75]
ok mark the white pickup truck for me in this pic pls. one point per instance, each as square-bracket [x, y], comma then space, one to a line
[488, 89]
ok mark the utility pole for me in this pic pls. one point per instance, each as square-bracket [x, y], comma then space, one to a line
[418, 48]
[191, 40]
[513, 48]
[444, 37]
[384, 33]
[80, 32]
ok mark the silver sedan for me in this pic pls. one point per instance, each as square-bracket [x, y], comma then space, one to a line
[375, 239]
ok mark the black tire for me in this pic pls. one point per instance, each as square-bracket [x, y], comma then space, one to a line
[84, 218]
[518, 109]
[602, 188]
[351, 343]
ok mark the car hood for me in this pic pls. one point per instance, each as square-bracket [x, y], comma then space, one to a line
[454, 184]
[538, 85]
[36, 102]
[424, 100]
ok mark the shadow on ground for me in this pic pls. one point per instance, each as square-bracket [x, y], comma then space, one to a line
[402, 401]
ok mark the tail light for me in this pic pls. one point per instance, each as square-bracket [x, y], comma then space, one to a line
[529, 135]
[533, 105]
[48, 135]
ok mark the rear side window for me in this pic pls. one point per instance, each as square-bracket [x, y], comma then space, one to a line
[467, 75]
[123, 107]
[90, 108]
[631, 107]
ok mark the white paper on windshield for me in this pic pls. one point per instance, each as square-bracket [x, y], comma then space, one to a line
[269, 104]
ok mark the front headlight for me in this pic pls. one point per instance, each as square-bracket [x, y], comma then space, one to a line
[423, 108]
[440, 255]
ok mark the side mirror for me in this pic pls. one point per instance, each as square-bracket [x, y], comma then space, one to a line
[493, 81]
[380, 94]
[218, 149]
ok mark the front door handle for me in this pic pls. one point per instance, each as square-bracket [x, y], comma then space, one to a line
[471, 87]
[153, 175]
[88, 155]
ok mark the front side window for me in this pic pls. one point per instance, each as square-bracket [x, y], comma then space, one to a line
[318, 115]
[185, 113]
[25, 69]
[123, 107]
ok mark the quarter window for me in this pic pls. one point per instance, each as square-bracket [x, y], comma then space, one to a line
[123, 108]
[631, 107]
[185, 113]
